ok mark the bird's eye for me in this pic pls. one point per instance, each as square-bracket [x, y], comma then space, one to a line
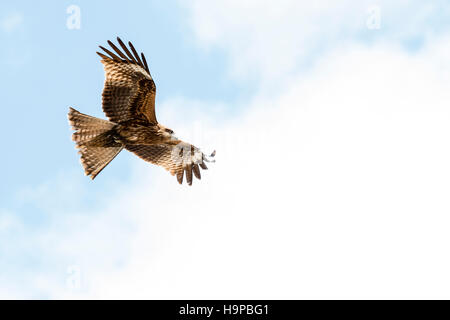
[169, 131]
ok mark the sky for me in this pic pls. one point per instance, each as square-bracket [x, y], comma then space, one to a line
[330, 121]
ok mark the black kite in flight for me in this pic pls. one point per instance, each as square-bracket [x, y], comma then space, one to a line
[129, 104]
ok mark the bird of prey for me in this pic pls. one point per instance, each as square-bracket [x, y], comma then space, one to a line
[129, 103]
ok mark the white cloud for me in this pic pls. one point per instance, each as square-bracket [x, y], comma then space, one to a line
[11, 22]
[333, 187]
[267, 42]
[347, 197]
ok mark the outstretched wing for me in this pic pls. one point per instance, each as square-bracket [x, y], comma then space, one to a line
[129, 91]
[179, 159]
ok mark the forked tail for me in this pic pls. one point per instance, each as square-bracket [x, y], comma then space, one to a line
[95, 140]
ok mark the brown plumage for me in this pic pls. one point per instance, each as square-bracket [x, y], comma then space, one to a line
[129, 103]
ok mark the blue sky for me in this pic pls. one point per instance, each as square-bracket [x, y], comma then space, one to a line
[48, 68]
[331, 138]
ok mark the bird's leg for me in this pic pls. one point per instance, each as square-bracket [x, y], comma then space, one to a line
[209, 158]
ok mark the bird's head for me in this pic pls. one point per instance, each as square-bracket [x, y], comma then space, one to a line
[166, 133]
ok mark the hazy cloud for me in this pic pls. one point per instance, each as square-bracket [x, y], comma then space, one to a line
[11, 22]
[267, 43]
[334, 185]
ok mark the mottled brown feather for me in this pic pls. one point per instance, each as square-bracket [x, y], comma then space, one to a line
[196, 171]
[129, 103]
[113, 56]
[136, 55]
[129, 91]
[120, 53]
[166, 156]
[96, 146]
[145, 62]
[128, 53]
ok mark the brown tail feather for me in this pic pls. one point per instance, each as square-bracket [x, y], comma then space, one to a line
[95, 141]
